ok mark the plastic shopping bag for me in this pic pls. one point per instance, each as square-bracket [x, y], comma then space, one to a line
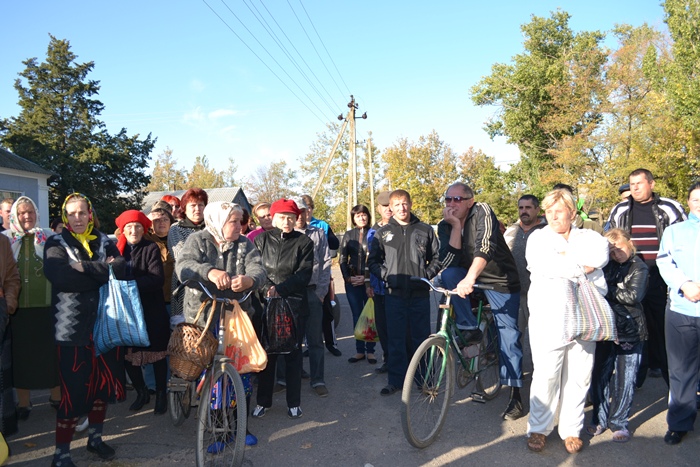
[280, 322]
[241, 344]
[119, 317]
[366, 328]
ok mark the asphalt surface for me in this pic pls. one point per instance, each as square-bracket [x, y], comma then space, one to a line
[355, 426]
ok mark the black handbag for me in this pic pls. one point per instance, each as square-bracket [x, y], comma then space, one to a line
[280, 322]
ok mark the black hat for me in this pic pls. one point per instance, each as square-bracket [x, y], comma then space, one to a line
[623, 188]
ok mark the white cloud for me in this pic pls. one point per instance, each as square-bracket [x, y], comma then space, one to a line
[197, 85]
[220, 113]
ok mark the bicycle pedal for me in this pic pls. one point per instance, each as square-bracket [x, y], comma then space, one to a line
[477, 397]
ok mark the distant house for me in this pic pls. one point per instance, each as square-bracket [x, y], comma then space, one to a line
[22, 177]
[231, 195]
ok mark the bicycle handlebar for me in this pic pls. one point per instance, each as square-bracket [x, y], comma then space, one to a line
[197, 284]
[445, 291]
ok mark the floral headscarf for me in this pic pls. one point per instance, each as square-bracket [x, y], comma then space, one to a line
[16, 232]
[215, 216]
[85, 237]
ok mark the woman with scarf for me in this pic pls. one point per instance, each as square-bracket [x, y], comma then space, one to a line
[9, 292]
[145, 266]
[77, 263]
[353, 258]
[221, 258]
[34, 364]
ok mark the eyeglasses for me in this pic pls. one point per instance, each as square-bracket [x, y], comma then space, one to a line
[456, 199]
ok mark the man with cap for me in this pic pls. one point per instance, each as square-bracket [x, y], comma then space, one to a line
[288, 258]
[376, 289]
[624, 191]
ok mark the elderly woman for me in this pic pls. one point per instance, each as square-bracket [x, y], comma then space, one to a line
[77, 263]
[627, 276]
[9, 292]
[679, 265]
[34, 364]
[221, 258]
[557, 255]
[353, 259]
[194, 201]
[161, 220]
[288, 258]
[144, 265]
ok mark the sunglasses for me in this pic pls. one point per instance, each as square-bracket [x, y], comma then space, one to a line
[456, 199]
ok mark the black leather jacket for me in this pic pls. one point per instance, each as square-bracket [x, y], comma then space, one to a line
[288, 260]
[353, 253]
[627, 285]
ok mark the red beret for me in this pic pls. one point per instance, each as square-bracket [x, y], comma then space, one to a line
[284, 205]
[133, 215]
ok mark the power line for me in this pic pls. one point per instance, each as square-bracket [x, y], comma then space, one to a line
[279, 43]
[328, 53]
[266, 65]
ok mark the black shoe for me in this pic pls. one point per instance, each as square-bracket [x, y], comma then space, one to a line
[103, 451]
[23, 412]
[334, 351]
[142, 398]
[514, 410]
[674, 437]
[383, 369]
[161, 403]
[64, 463]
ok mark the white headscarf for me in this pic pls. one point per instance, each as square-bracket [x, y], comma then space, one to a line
[215, 216]
[16, 232]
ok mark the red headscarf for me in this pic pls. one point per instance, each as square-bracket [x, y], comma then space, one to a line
[127, 217]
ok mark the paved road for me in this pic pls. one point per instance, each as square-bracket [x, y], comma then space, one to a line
[355, 426]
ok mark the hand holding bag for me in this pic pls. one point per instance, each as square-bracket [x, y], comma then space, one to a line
[280, 323]
[241, 344]
[119, 316]
[366, 328]
[591, 318]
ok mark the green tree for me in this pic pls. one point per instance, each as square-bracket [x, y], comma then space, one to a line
[166, 175]
[424, 168]
[59, 128]
[203, 176]
[490, 184]
[271, 182]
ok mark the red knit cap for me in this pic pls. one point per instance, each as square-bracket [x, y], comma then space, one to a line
[133, 215]
[284, 205]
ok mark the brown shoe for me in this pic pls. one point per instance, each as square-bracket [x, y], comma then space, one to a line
[536, 442]
[573, 444]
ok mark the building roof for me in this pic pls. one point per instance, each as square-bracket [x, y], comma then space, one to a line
[229, 194]
[10, 160]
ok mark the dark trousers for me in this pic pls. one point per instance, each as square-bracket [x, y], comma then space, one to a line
[654, 353]
[683, 346]
[413, 313]
[160, 370]
[380, 320]
[624, 359]
[327, 323]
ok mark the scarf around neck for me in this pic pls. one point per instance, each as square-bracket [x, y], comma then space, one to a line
[16, 232]
[85, 237]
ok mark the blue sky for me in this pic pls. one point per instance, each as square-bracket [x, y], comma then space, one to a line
[174, 69]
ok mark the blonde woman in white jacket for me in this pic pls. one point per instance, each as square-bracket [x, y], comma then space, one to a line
[556, 255]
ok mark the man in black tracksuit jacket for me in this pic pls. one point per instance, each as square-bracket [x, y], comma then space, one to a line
[402, 248]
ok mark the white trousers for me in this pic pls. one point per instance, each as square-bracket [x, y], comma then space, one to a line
[560, 379]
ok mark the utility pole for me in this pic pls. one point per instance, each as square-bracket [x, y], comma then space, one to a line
[371, 174]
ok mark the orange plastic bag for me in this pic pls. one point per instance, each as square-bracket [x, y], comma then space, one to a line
[366, 328]
[241, 344]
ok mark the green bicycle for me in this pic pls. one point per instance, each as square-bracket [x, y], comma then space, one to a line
[430, 378]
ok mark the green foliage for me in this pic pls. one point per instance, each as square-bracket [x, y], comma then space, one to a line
[59, 128]
[203, 176]
[166, 175]
[270, 183]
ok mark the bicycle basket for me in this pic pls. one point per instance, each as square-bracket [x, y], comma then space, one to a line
[191, 347]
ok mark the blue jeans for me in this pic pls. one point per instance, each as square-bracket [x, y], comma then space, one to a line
[624, 359]
[464, 317]
[357, 297]
[401, 313]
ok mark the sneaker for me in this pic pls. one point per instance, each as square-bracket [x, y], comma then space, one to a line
[321, 390]
[294, 412]
[23, 412]
[102, 450]
[258, 411]
[514, 410]
[82, 425]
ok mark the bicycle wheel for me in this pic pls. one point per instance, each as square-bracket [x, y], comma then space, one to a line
[488, 378]
[426, 391]
[179, 399]
[221, 427]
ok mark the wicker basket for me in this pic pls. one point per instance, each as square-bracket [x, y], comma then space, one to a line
[191, 347]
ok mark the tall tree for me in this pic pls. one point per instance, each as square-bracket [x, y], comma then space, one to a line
[424, 168]
[203, 176]
[490, 184]
[166, 175]
[271, 182]
[59, 128]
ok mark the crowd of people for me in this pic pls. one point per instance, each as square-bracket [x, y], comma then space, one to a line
[645, 263]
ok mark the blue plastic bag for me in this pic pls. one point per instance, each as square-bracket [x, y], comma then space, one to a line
[119, 317]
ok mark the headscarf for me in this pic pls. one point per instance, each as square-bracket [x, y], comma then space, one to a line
[16, 232]
[85, 237]
[215, 216]
[127, 217]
